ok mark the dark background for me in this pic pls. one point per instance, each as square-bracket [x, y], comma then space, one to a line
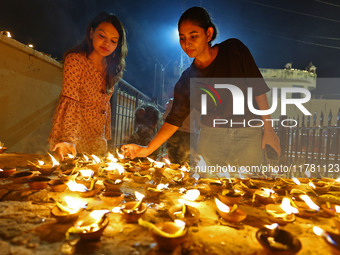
[275, 31]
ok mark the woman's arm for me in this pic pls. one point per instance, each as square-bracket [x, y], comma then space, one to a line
[269, 135]
[132, 150]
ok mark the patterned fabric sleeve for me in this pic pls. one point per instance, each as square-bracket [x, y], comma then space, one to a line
[66, 121]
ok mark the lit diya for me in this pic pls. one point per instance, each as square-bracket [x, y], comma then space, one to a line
[114, 171]
[113, 185]
[278, 241]
[132, 211]
[70, 212]
[330, 209]
[168, 235]
[158, 166]
[95, 164]
[121, 157]
[90, 227]
[2, 147]
[6, 172]
[82, 190]
[155, 191]
[308, 208]
[332, 239]
[216, 186]
[182, 211]
[171, 166]
[283, 213]
[265, 196]
[44, 168]
[233, 215]
[230, 197]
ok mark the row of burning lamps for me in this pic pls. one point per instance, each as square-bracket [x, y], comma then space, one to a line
[232, 214]
[98, 220]
[9, 35]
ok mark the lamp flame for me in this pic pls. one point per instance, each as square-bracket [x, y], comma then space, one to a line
[167, 161]
[285, 205]
[297, 182]
[54, 161]
[121, 156]
[309, 202]
[112, 158]
[41, 163]
[337, 209]
[272, 226]
[74, 204]
[139, 196]
[86, 158]
[70, 155]
[192, 194]
[96, 160]
[86, 173]
[73, 186]
[311, 185]
[180, 223]
[115, 166]
[162, 186]
[221, 206]
[320, 232]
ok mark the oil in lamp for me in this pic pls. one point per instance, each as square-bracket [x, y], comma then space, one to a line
[283, 213]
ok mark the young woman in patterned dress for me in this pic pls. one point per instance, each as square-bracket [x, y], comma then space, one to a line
[82, 120]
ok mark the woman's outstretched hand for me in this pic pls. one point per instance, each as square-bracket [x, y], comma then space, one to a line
[133, 150]
[62, 149]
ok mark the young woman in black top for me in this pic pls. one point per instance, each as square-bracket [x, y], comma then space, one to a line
[229, 59]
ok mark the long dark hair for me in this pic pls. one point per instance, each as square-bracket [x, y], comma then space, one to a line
[116, 60]
[200, 17]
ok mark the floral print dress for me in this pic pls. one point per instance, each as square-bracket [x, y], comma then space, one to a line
[83, 115]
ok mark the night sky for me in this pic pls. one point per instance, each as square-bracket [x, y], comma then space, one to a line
[275, 31]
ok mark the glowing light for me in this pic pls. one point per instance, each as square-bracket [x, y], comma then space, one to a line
[157, 164]
[272, 226]
[116, 209]
[86, 158]
[86, 173]
[167, 161]
[297, 182]
[139, 196]
[320, 232]
[74, 204]
[285, 205]
[162, 186]
[337, 209]
[8, 34]
[121, 156]
[70, 155]
[1, 170]
[112, 158]
[41, 163]
[221, 206]
[192, 194]
[73, 186]
[115, 166]
[96, 160]
[311, 185]
[31, 46]
[180, 223]
[309, 202]
[54, 161]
